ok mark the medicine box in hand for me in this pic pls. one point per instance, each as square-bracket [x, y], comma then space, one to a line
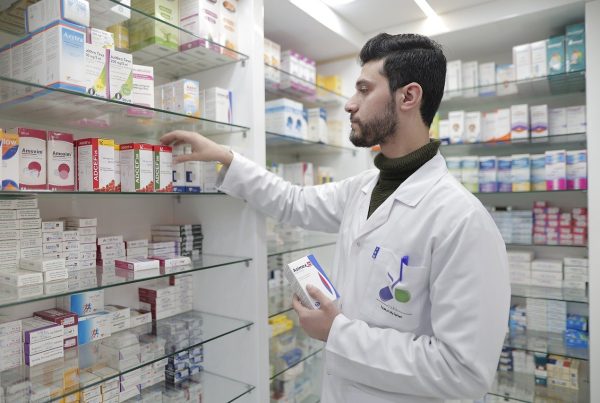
[305, 271]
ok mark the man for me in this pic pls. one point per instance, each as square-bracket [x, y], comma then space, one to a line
[420, 265]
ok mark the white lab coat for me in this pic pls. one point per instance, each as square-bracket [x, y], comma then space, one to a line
[445, 340]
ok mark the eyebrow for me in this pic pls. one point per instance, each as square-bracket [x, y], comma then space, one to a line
[362, 82]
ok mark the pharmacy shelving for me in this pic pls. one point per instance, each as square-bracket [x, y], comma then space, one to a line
[549, 293]
[312, 96]
[531, 145]
[284, 144]
[218, 388]
[171, 64]
[104, 278]
[515, 92]
[304, 355]
[59, 193]
[280, 300]
[544, 342]
[525, 245]
[534, 192]
[86, 356]
[520, 387]
[306, 386]
[63, 109]
[243, 367]
[308, 241]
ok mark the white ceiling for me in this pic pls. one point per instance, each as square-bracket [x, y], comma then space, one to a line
[293, 29]
[376, 15]
[488, 26]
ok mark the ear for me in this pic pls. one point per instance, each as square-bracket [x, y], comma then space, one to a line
[409, 97]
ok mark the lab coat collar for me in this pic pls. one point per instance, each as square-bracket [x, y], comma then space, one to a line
[412, 190]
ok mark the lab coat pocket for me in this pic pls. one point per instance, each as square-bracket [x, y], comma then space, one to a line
[395, 293]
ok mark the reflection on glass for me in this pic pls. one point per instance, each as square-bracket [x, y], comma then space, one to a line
[294, 241]
[181, 337]
[283, 143]
[280, 83]
[578, 139]
[535, 87]
[544, 342]
[101, 278]
[80, 112]
[522, 387]
[551, 293]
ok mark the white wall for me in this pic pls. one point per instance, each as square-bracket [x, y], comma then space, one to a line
[592, 38]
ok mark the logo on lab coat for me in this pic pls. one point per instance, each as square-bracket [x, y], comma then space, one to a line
[395, 289]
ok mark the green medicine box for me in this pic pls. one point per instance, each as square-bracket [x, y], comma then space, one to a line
[575, 49]
[556, 55]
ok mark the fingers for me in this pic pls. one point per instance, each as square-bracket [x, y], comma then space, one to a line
[177, 137]
[316, 294]
[297, 305]
[170, 137]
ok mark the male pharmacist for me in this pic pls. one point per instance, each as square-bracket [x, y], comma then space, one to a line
[420, 265]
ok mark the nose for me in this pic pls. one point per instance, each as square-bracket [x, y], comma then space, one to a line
[351, 106]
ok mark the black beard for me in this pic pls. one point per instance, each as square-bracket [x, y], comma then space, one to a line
[377, 130]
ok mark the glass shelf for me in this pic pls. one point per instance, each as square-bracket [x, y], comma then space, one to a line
[306, 355]
[83, 357]
[517, 245]
[557, 294]
[102, 278]
[293, 145]
[217, 388]
[519, 387]
[173, 63]
[74, 111]
[280, 300]
[301, 90]
[574, 192]
[516, 91]
[308, 241]
[533, 145]
[18, 193]
[544, 342]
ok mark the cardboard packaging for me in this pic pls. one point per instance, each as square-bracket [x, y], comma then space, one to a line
[61, 161]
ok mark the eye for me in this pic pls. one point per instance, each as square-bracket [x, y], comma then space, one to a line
[363, 89]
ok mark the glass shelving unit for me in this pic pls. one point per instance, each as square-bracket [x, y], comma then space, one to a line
[518, 387]
[282, 143]
[83, 357]
[83, 113]
[307, 241]
[544, 342]
[305, 355]
[280, 300]
[174, 64]
[102, 278]
[532, 145]
[525, 245]
[301, 90]
[515, 92]
[549, 293]
[59, 193]
[535, 192]
[217, 388]
[306, 386]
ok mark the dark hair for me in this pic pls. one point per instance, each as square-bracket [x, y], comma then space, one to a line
[410, 58]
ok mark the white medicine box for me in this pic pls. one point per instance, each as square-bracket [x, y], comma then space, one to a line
[216, 104]
[317, 125]
[64, 45]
